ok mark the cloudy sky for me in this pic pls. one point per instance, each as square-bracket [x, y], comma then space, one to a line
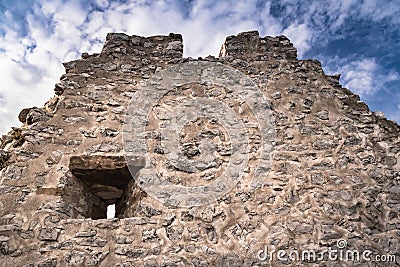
[360, 39]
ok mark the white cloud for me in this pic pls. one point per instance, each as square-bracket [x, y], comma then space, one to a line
[360, 76]
[363, 76]
[376, 10]
[300, 36]
[12, 46]
[102, 3]
[2, 105]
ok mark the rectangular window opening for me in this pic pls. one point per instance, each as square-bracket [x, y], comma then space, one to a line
[107, 186]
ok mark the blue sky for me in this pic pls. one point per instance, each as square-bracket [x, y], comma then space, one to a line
[359, 39]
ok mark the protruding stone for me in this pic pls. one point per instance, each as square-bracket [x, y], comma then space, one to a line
[323, 114]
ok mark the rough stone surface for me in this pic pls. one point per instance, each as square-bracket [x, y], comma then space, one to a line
[335, 174]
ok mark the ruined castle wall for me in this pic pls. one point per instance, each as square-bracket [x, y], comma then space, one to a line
[335, 172]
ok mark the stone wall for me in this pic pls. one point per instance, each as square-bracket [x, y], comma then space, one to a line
[335, 174]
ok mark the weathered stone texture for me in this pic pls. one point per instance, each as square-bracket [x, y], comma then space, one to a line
[335, 173]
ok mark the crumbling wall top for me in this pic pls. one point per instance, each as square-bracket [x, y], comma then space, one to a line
[154, 46]
[251, 45]
[136, 51]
